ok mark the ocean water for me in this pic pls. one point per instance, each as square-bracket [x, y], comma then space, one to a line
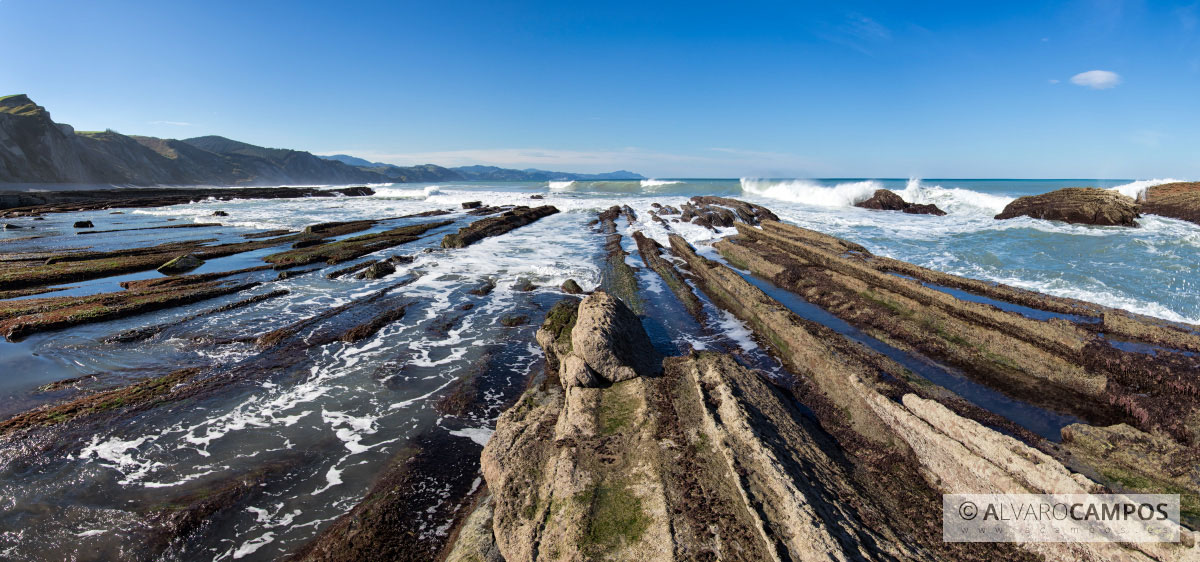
[335, 417]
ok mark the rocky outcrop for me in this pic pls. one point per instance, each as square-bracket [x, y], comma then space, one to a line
[711, 212]
[610, 344]
[887, 200]
[1175, 200]
[352, 248]
[570, 287]
[495, 226]
[875, 407]
[704, 461]
[1077, 205]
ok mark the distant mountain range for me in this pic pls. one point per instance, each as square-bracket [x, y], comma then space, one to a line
[490, 173]
[35, 149]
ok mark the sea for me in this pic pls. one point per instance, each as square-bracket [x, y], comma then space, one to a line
[335, 419]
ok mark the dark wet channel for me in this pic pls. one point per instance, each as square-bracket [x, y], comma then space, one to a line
[1043, 422]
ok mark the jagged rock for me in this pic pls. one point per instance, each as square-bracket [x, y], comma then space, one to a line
[1078, 205]
[377, 270]
[710, 212]
[570, 287]
[84, 224]
[537, 196]
[181, 264]
[883, 200]
[924, 209]
[220, 214]
[609, 337]
[472, 204]
[887, 200]
[523, 285]
[1175, 200]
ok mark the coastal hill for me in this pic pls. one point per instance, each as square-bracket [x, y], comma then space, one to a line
[35, 149]
[479, 173]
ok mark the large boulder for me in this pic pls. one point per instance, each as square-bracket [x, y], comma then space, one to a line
[887, 200]
[1175, 200]
[1077, 205]
[610, 339]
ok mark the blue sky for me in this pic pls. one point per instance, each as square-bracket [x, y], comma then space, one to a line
[956, 89]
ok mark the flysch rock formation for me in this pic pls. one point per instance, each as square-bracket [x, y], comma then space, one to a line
[622, 450]
[709, 459]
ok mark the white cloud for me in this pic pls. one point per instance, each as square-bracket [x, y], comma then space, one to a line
[1097, 79]
[172, 123]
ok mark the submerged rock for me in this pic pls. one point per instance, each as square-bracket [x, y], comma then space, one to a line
[8, 226]
[181, 264]
[220, 214]
[472, 204]
[1076, 205]
[84, 224]
[1175, 200]
[887, 200]
[511, 320]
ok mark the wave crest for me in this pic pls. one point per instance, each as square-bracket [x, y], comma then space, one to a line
[658, 183]
[810, 192]
[1137, 189]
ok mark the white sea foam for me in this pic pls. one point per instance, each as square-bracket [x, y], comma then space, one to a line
[658, 183]
[810, 192]
[1138, 188]
[559, 185]
[480, 435]
[954, 199]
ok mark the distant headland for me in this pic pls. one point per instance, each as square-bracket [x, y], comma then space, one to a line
[35, 149]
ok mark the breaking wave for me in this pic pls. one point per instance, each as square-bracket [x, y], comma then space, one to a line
[1138, 188]
[810, 192]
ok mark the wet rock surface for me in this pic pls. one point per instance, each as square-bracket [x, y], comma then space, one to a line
[883, 389]
[1175, 200]
[495, 226]
[887, 200]
[181, 264]
[1078, 205]
[28, 203]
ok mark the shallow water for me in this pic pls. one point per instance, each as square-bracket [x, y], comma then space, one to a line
[331, 420]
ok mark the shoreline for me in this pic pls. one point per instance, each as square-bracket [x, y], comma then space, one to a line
[1038, 358]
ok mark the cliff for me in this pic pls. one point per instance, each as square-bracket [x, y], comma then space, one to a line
[35, 149]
